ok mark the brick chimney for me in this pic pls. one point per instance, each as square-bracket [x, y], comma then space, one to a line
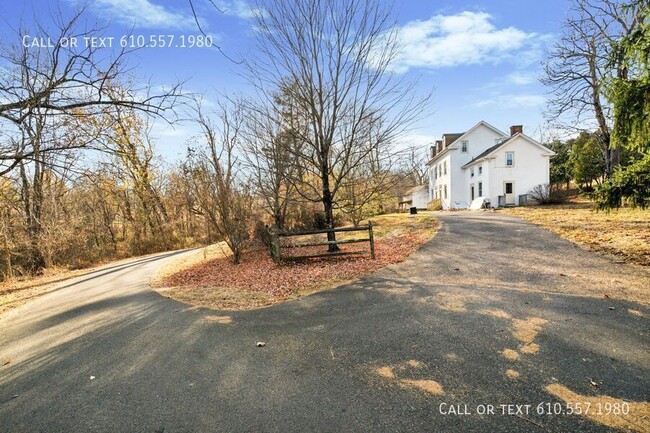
[432, 150]
[516, 129]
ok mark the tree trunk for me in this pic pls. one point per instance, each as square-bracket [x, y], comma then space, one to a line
[329, 218]
[8, 273]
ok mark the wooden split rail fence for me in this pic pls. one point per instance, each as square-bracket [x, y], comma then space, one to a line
[276, 246]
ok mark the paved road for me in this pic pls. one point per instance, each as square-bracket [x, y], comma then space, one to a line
[451, 309]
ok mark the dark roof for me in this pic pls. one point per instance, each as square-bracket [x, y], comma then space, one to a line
[451, 137]
[487, 151]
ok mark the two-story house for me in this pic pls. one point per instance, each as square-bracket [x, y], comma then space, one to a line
[485, 162]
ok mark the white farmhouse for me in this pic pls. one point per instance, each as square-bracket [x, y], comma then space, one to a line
[485, 162]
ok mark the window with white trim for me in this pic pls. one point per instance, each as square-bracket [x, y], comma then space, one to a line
[445, 167]
[471, 172]
[510, 159]
[480, 170]
[463, 146]
[445, 191]
[480, 189]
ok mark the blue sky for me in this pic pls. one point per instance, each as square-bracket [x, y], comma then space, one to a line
[480, 58]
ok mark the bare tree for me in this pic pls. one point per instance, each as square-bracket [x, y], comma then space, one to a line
[214, 172]
[413, 165]
[577, 70]
[65, 81]
[270, 149]
[333, 59]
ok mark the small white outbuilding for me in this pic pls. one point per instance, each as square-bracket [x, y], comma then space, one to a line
[418, 197]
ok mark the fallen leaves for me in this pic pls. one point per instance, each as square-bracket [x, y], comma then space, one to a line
[259, 278]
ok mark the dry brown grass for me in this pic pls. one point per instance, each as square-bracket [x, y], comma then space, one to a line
[430, 386]
[624, 233]
[510, 354]
[512, 374]
[386, 372]
[222, 320]
[188, 260]
[638, 418]
[213, 281]
[526, 330]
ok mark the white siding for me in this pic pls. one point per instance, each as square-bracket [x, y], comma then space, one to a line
[421, 198]
[478, 139]
[531, 168]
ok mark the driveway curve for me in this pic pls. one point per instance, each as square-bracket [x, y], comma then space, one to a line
[488, 313]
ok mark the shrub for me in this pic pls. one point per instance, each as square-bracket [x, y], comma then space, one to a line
[628, 185]
[547, 194]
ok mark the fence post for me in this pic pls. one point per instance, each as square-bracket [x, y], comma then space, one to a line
[274, 240]
[372, 240]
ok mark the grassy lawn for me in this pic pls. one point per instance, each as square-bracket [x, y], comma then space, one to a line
[624, 233]
[211, 280]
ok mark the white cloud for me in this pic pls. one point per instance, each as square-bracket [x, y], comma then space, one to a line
[146, 14]
[511, 101]
[521, 78]
[237, 8]
[463, 39]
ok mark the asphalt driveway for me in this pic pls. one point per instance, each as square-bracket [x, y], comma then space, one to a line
[104, 353]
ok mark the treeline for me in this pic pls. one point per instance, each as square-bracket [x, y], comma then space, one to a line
[81, 182]
[581, 161]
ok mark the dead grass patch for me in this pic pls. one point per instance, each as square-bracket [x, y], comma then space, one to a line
[530, 348]
[386, 372]
[210, 252]
[496, 313]
[526, 330]
[430, 386]
[638, 418]
[226, 298]
[215, 282]
[427, 385]
[624, 233]
[510, 354]
[512, 374]
[222, 320]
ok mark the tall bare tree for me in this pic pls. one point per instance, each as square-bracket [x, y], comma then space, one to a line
[577, 71]
[270, 149]
[333, 59]
[213, 169]
[65, 81]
